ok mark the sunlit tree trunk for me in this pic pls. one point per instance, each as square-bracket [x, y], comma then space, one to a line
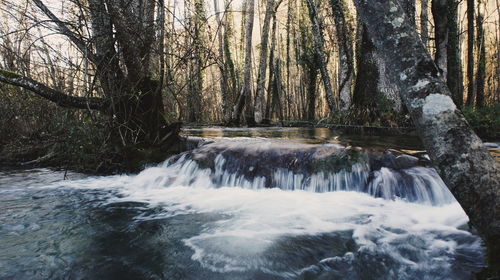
[261, 72]
[344, 31]
[245, 97]
[195, 82]
[223, 82]
[319, 48]
[272, 79]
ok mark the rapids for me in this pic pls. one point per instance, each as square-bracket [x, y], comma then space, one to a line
[241, 208]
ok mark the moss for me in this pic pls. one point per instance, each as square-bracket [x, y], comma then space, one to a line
[337, 162]
[9, 74]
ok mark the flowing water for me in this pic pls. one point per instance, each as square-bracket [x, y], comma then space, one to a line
[243, 204]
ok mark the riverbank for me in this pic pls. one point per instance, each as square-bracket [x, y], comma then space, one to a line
[82, 155]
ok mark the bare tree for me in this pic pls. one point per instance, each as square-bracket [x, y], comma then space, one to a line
[121, 50]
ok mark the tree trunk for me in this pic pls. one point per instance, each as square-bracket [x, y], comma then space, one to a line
[134, 98]
[481, 60]
[311, 75]
[373, 97]
[261, 76]
[223, 82]
[455, 77]
[318, 46]
[424, 21]
[367, 78]
[373, 88]
[233, 85]
[271, 87]
[440, 14]
[346, 53]
[465, 165]
[470, 53]
[246, 90]
[196, 75]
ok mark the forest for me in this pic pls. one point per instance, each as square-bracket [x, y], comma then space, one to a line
[232, 63]
[171, 103]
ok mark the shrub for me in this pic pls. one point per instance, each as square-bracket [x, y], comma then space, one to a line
[485, 121]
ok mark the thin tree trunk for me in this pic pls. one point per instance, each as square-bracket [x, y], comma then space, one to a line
[288, 56]
[345, 52]
[481, 59]
[470, 53]
[261, 76]
[228, 59]
[318, 45]
[424, 21]
[246, 94]
[455, 77]
[270, 92]
[466, 166]
[226, 111]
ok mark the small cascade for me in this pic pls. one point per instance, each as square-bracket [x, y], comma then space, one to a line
[290, 166]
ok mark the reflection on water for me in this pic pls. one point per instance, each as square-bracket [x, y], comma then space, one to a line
[310, 135]
[322, 135]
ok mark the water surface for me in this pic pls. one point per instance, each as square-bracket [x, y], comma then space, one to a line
[181, 220]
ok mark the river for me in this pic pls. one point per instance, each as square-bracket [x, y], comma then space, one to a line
[270, 203]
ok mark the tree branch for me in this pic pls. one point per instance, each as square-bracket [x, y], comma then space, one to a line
[53, 95]
[61, 26]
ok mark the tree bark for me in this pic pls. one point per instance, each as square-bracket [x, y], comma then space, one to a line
[454, 78]
[465, 165]
[424, 21]
[261, 72]
[481, 60]
[272, 79]
[223, 82]
[318, 46]
[470, 53]
[53, 95]
[367, 78]
[346, 53]
[246, 90]
[440, 14]
[123, 37]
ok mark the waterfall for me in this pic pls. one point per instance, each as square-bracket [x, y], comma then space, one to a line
[222, 164]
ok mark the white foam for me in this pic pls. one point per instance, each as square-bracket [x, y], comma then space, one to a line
[252, 218]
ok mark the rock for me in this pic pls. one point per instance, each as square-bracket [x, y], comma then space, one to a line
[406, 161]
